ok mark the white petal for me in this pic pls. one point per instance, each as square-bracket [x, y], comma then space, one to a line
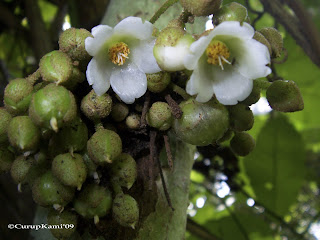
[201, 83]
[133, 26]
[233, 29]
[230, 86]
[142, 56]
[196, 50]
[98, 75]
[129, 83]
[251, 59]
[101, 34]
[172, 58]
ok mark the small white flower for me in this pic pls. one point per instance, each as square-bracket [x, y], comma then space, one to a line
[121, 58]
[225, 63]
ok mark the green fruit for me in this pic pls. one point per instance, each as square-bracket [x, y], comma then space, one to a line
[5, 118]
[47, 191]
[254, 95]
[133, 121]
[157, 82]
[6, 159]
[241, 117]
[231, 12]
[124, 170]
[53, 107]
[20, 169]
[72, 42]
[96, 107]
[72, 138]
[285, 96]
[159, 116]
[93, 201]
[17, 96]
[125, 210]
[242, 143]
[66, 219]
[201, 123]
[23, 134]
[70, 170]
[104, 146]
[201, 7]
[119, 112]
[56, 67]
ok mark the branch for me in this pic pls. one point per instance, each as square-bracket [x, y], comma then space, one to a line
[299, 26]
[40, 38]
[56, 25]
[200, 231]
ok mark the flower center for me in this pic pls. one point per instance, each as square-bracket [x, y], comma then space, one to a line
[218, 53]
[118, 53]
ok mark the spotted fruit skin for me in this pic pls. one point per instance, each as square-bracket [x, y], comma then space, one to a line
[201, 123]
[50, 102]
[66, 217]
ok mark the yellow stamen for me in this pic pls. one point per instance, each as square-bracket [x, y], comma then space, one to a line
[218, 53]
[118, 53]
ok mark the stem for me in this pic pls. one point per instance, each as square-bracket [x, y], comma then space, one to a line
[32, 78]
[162, 9]
[179, 91]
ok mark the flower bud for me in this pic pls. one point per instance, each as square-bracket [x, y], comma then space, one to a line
[275, 39]
[6, 159]
[23, 134]
[231, 12]
[159, 116]
[260, 38]
[70, 170]
[242, 143]
[53, 107]
[96, 107]
[93, 202]
[241, 117]
[201, 123]
[133, 121]
[17, 96]
[157, 82]
[71, 41]
[171, 48]
[47, 190]
[285, 96]
[119, 112]
[104, 146]
[201, 7]
[5, 118]
[124, 170]
[56, 67]
[76, 77]
[62, 219]
[125, 210]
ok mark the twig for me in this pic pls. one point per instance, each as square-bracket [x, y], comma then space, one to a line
[56, 25]
[200, 231]
[143, 122]
[168, 151]
[166, 193]
[179, 91]
[162, 9]
[32, 78]
[152, 143]
[236, 220]
[175, 108]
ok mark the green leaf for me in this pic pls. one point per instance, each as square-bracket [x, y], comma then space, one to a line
[276, 166]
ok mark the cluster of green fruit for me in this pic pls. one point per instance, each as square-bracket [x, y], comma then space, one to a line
[45, 145]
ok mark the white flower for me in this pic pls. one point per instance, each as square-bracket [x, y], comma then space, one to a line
[121, 57]
[225, 63]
